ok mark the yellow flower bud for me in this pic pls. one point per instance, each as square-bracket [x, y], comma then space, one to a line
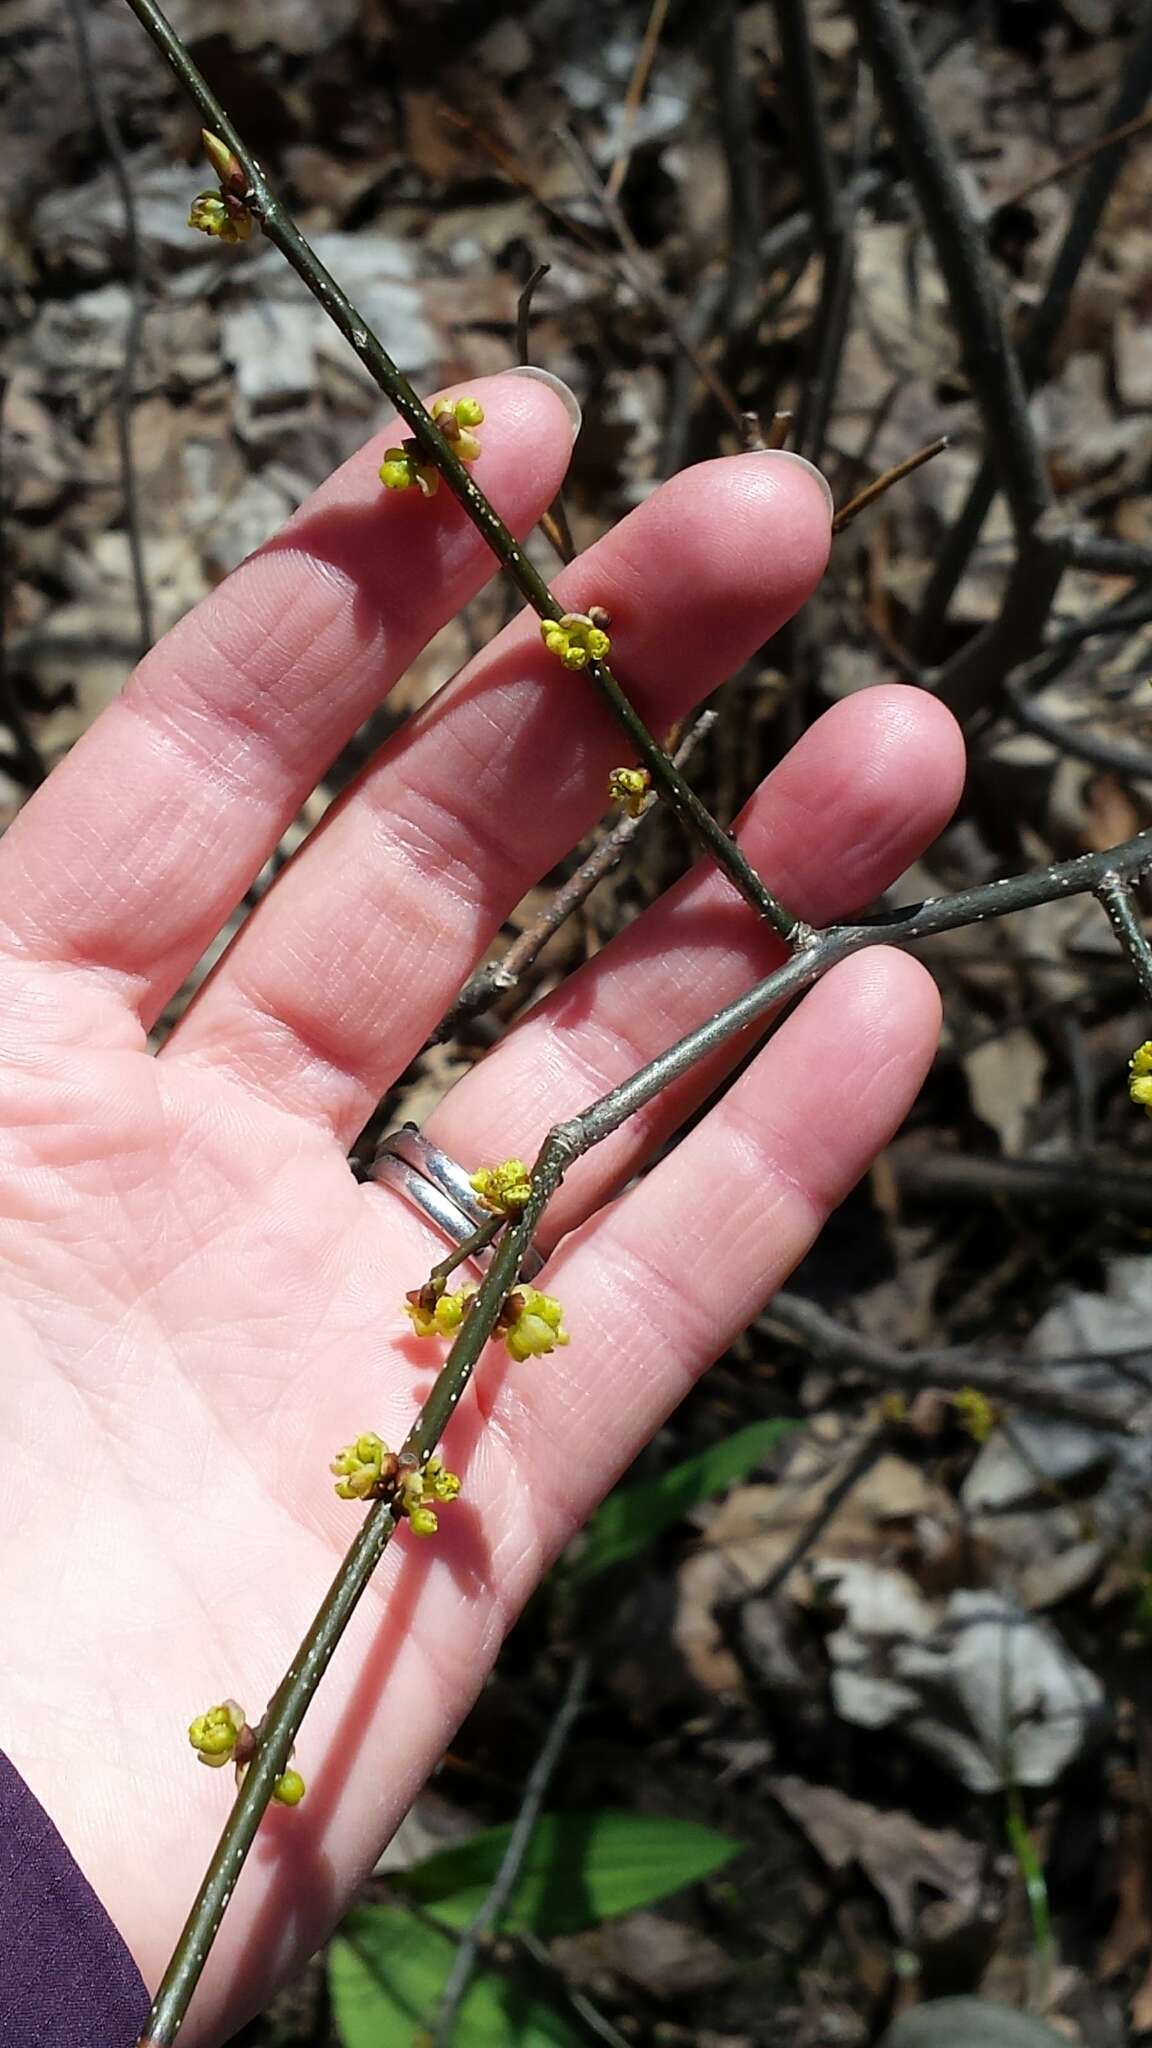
[289, 1789]
[1140, 1076]
[503, 1190]
[423, 1521]
[444, 1318]
[396, 471]
[577, 638]
[359, 1466]
[975, 1413]
[469, 412]
[443, 1486]
[629, 787]
[217, 213]
[532, 1324]
[214, 1735]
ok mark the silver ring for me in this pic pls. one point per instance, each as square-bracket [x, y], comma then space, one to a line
[435, 1184]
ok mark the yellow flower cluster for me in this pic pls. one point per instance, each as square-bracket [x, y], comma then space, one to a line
[214, 1735]
[532, 1324]
[437, 1315]
[222, 1736]
[407, 468]
[363, 1468]
[629, 788]
[577, 638]
[223, 212]
[975, 1413]
[1140, 1075]
[503, 1190]
[419, 1489]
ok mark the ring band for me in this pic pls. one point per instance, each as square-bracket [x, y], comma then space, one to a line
[438, 1186]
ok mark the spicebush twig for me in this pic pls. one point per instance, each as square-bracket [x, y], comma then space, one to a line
[282, 231]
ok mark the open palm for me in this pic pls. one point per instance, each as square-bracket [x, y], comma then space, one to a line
[198, 1303]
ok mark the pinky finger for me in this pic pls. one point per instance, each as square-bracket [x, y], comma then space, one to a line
[661, 1282]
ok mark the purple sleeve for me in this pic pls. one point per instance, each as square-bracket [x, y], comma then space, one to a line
[66, 1978]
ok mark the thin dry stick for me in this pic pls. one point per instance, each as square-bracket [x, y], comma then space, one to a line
[491, 1909]
[647, 283]
[482, 989]
[880, 484]
[658, 15]
[1080, 157]
[1022, 1380]
[554, 523]
[137, 286]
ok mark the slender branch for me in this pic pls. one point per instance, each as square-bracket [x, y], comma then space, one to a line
[554, 523]
[1021, 1380]
[478, 1241]
[282, 231]
[654, 29]
[1045, 324]
[494, 980]
[880, 484]
[1132, 762]
[960, 250]
[645, 280]
[503, 1885]
[137, 286]
[833, 220]
[1119, 900]
[1079, 157]
[1074, 1183]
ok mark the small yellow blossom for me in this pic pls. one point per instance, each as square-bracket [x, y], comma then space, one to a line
[362, 1467]
[975, 1413]
[402, 470]
[423, 1521]
[629, 787]
[214, 1735]
[503, 1190]
[289, 1789]
[532, 1324]
[441, 1318]
[219, 214]
[1140, 1075]
[443, 1486]
[455, 421]
[577, 638]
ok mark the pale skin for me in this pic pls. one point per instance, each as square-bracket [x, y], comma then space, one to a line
[198, 1303]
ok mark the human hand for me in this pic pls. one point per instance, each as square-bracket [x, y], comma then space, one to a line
[199, 1304]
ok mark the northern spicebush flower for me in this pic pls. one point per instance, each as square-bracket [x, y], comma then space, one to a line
[289, 1789]
[531, 1324]
[1140, 1075]
[439, 1318]
[577, 638]
[505, 1189]
[214, 1735]
[363, 1468]
[407, 468]
[975, 1413]
[629, 787]
[221, 214]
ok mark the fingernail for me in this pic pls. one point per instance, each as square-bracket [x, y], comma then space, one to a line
[568, 399]
[801, 462]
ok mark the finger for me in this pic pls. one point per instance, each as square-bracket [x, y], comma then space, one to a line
[663, 1280]
[343, 970]
[145, 838]
[856, 800]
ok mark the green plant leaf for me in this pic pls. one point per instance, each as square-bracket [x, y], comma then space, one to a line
[386, 1972]
[580, 1868]
[635, 1515]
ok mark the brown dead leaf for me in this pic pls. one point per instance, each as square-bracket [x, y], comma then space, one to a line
[892, 1849]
